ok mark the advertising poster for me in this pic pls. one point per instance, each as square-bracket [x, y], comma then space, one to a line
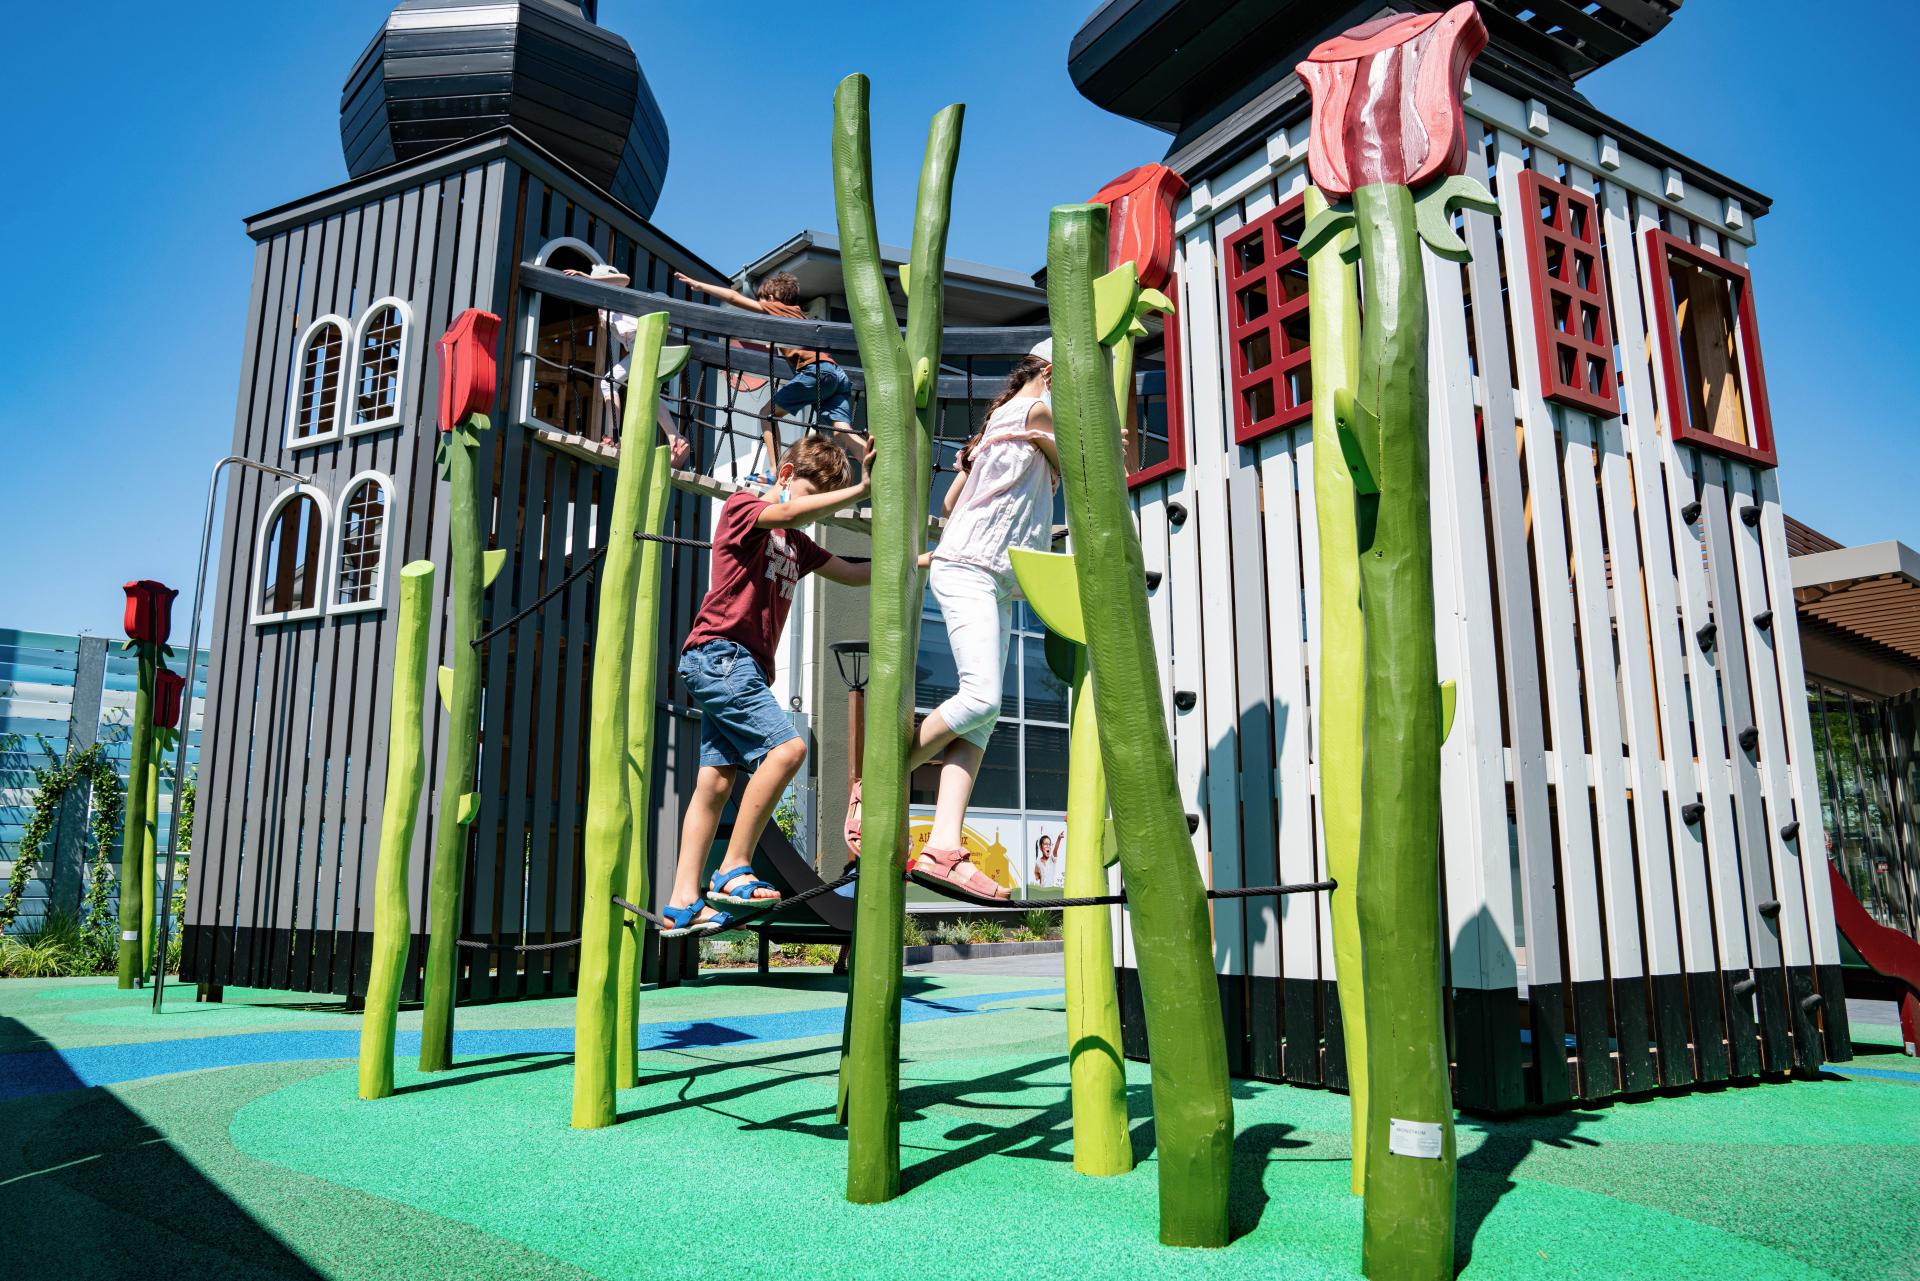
[1024, 853]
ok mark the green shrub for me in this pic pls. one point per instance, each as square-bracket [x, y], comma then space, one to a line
[952, 933]
[912, 933]
[808, 953]
[20, 959]
[1021, 934]
[1039, 924]
[989, 932]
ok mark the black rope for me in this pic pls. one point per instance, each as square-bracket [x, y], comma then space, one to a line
[542, 599]
[700, 543]
[952, 891]
[516, 947]
[739, 917]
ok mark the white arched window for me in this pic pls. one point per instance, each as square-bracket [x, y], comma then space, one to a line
[367, 518]
[289, 558]
[319, 366]
[561, 349]
[381, 348]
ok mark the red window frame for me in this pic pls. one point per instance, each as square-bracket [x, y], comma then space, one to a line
[1283, 357]
[1176, 459]
[1661, 246]
[1559, 244]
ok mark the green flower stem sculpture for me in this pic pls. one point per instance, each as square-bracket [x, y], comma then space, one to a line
[150, 841]
[460, 691]
[136, 866]
[901, 409]
[399, 814]
[1334, 320]
[610, 800]
[1101, 1144]
[1193, 1110]
[643, 680]
[1378, 149]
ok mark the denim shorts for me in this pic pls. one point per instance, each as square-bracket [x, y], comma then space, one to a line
[740, 720]
[822, 384]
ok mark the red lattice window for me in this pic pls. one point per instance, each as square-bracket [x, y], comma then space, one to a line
[1569, 296]
[1267, 326]
[1704, 319]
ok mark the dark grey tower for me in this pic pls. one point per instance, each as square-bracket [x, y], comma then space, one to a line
[441, 71]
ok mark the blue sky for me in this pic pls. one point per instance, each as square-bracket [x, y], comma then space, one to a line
[139, 134]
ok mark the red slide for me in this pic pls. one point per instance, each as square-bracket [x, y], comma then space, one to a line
[1887, 951]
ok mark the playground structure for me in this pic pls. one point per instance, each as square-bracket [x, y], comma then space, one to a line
[1700, 944]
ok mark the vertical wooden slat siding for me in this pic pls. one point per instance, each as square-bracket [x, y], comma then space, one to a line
[1478, 878]
[1789, 919]
[1684, 865]
[1561, 653]
[210, 838]
[1186, 604]
[1333, 1063]
[1548, 1081]
[1739, 1057]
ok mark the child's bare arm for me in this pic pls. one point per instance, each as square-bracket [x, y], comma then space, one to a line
[851, 573]
[721, 292]
[807, 508]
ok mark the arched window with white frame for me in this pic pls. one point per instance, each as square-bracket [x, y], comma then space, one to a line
[563, 349]
[289, 558]
[382, 346]
[367, 517]
[319, 365]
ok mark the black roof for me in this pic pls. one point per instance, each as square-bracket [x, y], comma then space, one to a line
[1166, 63]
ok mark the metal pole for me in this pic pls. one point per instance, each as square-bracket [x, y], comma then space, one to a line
[186, 712]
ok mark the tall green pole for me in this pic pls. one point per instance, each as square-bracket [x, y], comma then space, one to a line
[1410, 1195]
[136, 868]
[609, 824]
[900, 414]
[149, 852]
[630, 938]
[1333, 314]
[399, 814]
[1193, 1109]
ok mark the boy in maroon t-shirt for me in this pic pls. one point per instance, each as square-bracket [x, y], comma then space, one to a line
[759, 556]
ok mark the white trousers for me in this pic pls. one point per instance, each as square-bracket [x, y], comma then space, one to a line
[978, 608]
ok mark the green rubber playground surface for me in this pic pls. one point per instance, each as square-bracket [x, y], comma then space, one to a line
[226, 1141]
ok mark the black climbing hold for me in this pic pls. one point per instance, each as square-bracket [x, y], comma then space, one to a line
[1707, 634]
[1768, 907]
[1790, 831]
[1692, 812]
[1690, 513]
[1745, 986]
[1193, 824]
[1177, 514]
[1184, 699]
[1153, 579]
[1749, 739]
[1750, 515]
[1764, 620]
[1811, 1002]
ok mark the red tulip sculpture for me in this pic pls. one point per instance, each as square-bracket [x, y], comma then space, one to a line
[1388, 150]
[149, 618]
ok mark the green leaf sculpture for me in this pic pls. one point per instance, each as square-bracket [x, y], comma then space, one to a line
[902, 430]
[1193, 1109]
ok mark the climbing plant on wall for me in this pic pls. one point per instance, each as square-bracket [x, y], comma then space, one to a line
[103, 824]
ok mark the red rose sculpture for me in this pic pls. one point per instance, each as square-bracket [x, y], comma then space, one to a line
[1140, 228]
[149, 611]
[1386, 100]
[468, 371]
[167, 687]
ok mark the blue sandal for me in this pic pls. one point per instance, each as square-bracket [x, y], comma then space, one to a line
[685, 922]
[725, 889]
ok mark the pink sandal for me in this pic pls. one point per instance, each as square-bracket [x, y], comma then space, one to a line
[956, 868]
[852, 832]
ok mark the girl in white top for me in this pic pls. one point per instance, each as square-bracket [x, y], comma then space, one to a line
[1002, 499]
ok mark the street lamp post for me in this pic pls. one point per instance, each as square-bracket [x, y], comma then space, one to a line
[186, 719]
